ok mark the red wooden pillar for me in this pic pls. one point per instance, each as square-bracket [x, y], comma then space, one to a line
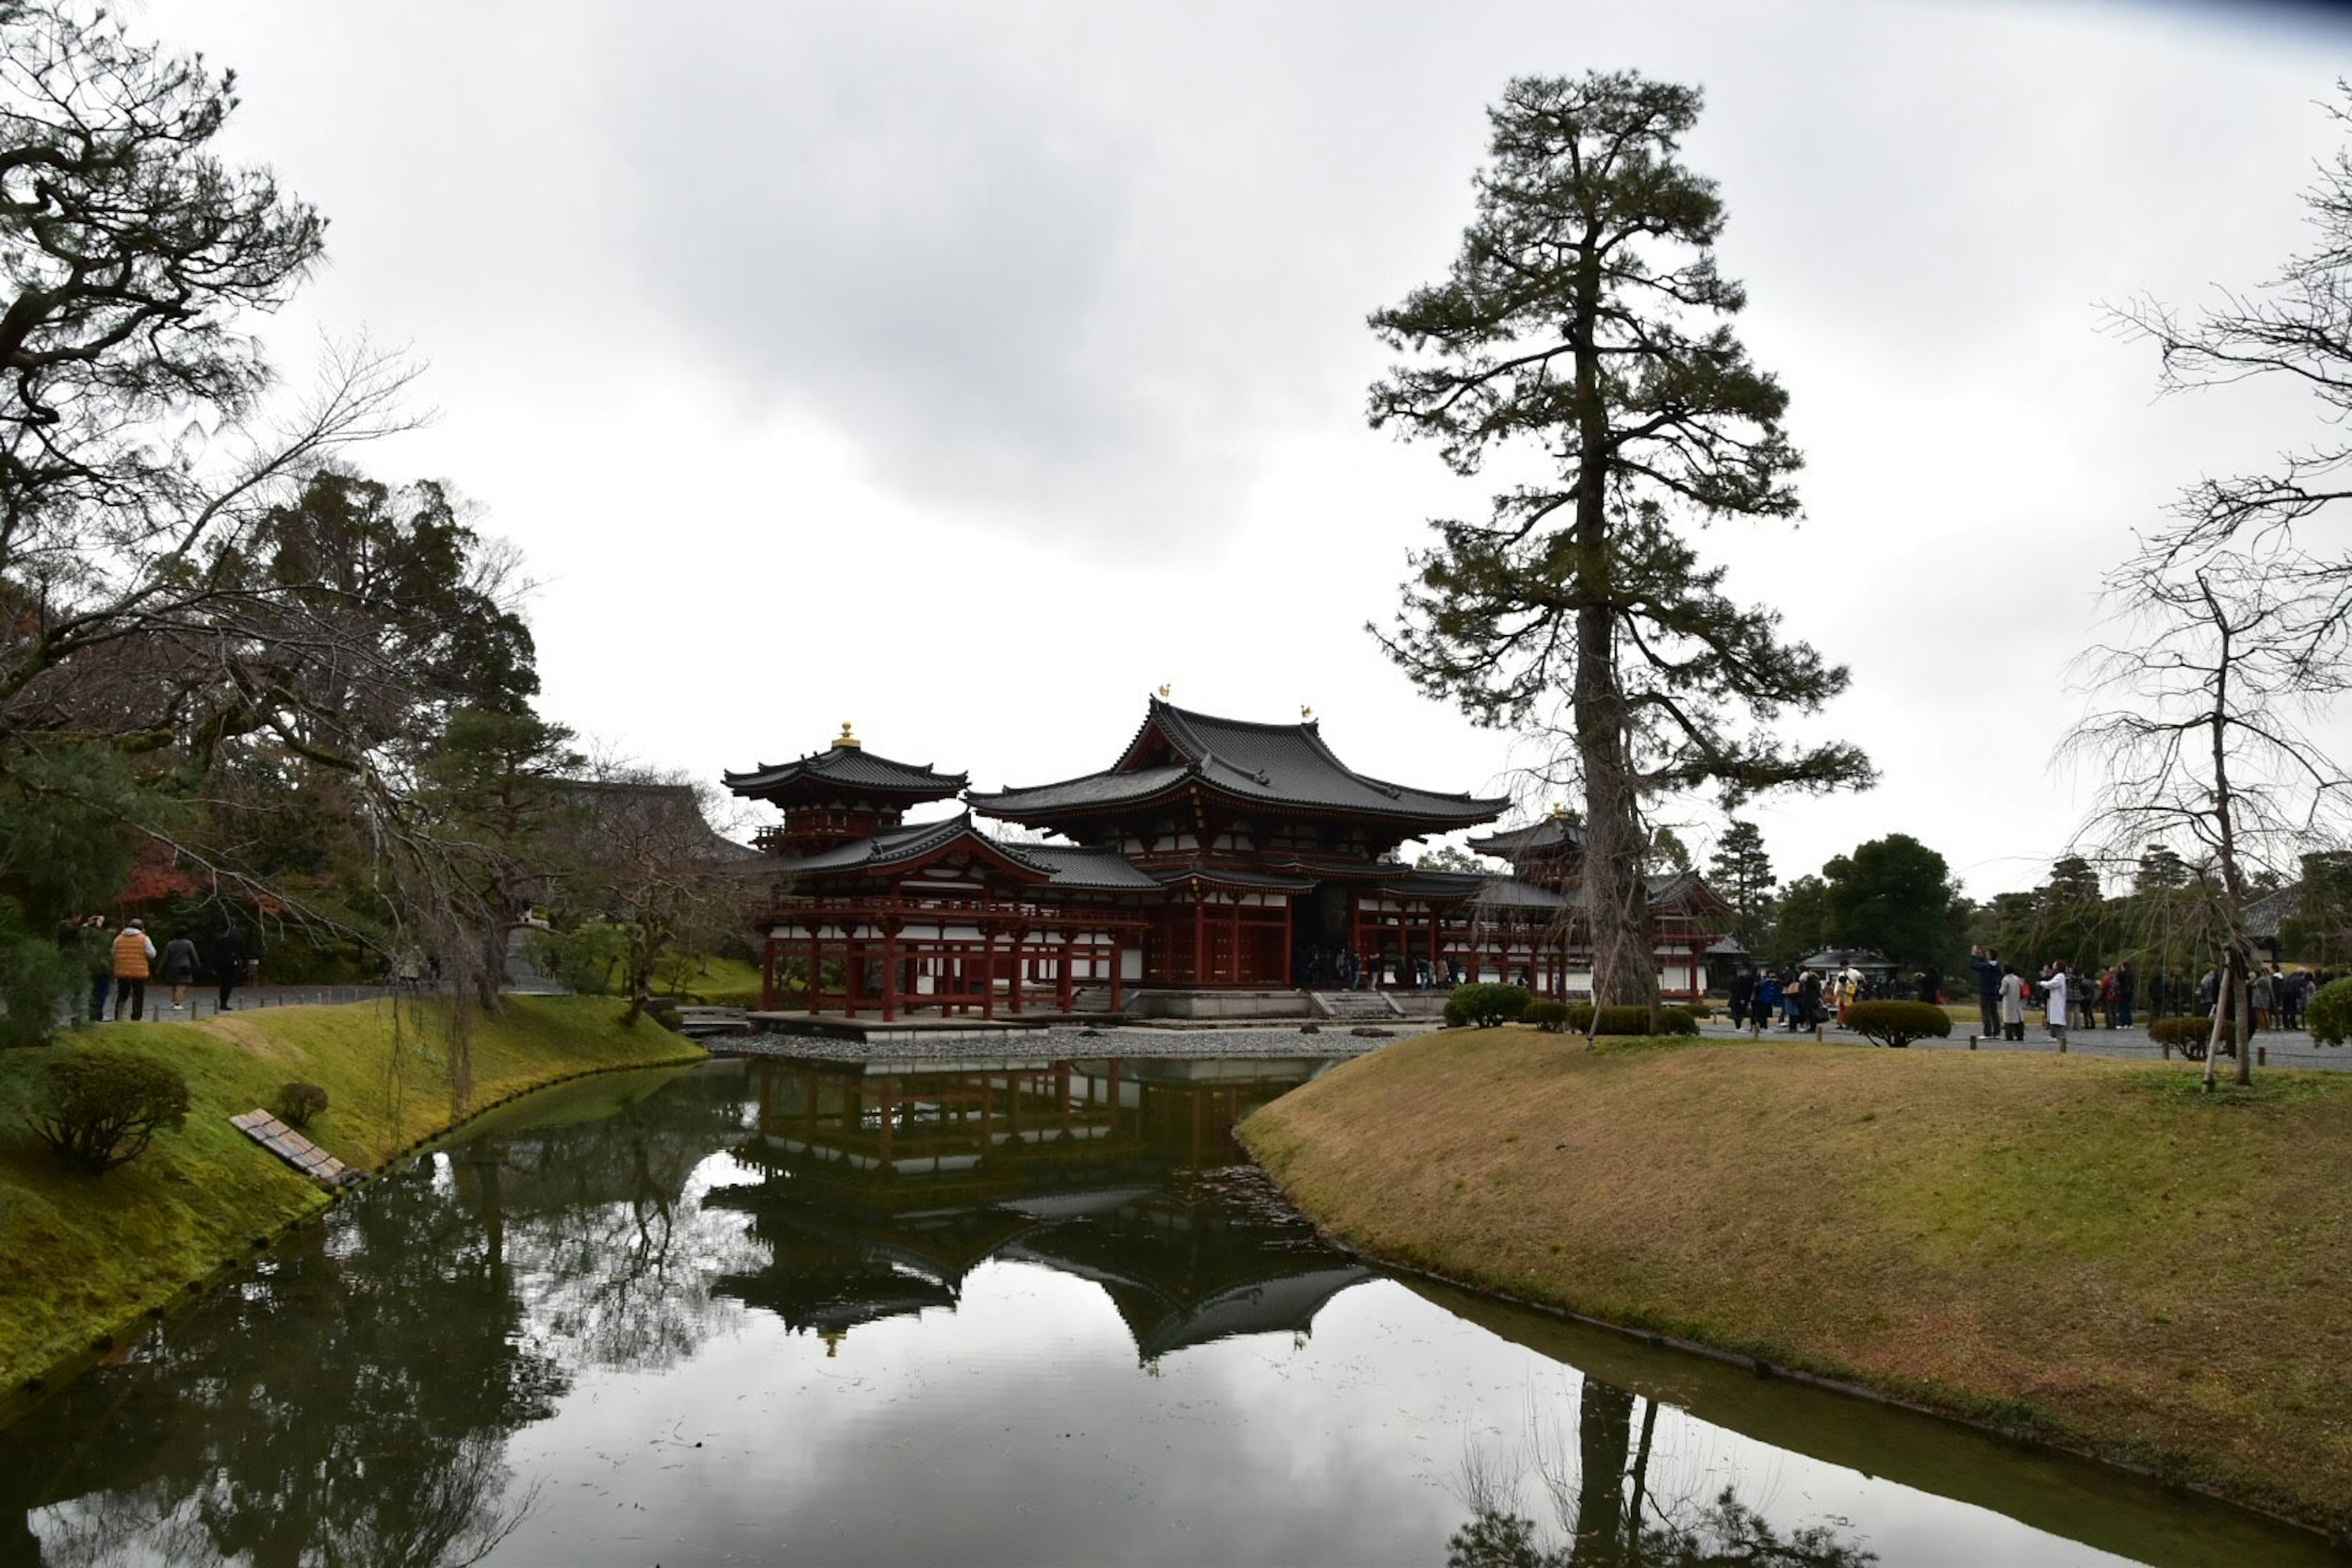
[889, 971]
[816, 970]
[1289, 968]
[1069, 956]
[1020, 941]
[1118, 967]
[987, 969]
[1233, 938]
[768, 972]
[1434, 938]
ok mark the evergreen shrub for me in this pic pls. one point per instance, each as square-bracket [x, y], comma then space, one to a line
[2328, 1015]
[1898, 1023]
[1486, 1005]
[1551, 1017]
[2186, 1029]
[297, 1103]
[97, 1109]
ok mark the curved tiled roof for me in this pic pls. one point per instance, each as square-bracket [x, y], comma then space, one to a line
[1277, 764]
[1074, 866]
[1229, 876]
[850, 769]
[1545, 833]
[897, 845]
[1059, 865]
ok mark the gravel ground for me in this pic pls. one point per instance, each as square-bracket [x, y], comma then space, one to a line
[2284, 1049]
[1060, 1044]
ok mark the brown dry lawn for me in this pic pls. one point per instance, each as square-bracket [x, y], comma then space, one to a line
[2084, 1250]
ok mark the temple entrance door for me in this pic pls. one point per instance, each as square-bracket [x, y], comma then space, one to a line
[1319, 934]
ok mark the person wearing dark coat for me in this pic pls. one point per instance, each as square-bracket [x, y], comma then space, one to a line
[1743, 990]
[2125, 982]
[227, 959]
[1987, 968]
[179, 969]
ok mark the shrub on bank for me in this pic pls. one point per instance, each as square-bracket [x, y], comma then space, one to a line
[1898, 1023]
[2186, 1029]
[1551, 1017]
[2328, 1015]
[1486, 1005]
[1630, 1021]
[97, 1109]
[297, 1103]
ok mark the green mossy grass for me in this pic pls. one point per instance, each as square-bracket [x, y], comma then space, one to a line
[2093, 1253]
[86, 1258]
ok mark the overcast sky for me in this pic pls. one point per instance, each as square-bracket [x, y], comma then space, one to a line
[967, 371]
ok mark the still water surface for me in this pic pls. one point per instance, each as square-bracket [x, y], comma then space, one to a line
[809, 1312]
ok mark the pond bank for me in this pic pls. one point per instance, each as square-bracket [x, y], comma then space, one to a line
[2075, 1251]
[88, 1258]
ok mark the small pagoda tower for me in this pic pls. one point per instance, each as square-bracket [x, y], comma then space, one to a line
[843, 793]
[1547, 852]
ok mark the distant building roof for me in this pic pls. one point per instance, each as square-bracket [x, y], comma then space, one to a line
[648, 803]
[1553, 832]
[2267, 913]
[1276, 765]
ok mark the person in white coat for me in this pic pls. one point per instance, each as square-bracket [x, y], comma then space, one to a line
[2054, 1006]
[2012, 1004]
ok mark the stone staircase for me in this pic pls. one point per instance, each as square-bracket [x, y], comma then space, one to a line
[1090, 999]
[1356, 1007]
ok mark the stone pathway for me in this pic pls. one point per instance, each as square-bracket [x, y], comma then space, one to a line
[2282, 1048]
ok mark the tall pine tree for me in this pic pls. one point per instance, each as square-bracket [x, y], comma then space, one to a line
[1584, 323]
[1742, 872]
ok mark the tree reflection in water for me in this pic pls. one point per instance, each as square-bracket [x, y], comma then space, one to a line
[1610, 1518]
[349, 1401]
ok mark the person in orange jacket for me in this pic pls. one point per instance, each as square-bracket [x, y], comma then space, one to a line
[134, 951]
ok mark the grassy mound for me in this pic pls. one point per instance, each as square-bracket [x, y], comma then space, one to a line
[87, 1257]
[2078, 1249]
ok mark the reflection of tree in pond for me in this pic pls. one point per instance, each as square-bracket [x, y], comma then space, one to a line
[349, 1401]
[1612, 1519]
[344, 1404]
[588, 1221]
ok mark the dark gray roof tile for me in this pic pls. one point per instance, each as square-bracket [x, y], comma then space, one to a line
[1279, 764]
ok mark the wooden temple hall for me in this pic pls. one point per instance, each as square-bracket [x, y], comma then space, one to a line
[1213, 856]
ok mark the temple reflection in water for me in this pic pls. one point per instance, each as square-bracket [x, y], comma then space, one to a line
[884, 1188]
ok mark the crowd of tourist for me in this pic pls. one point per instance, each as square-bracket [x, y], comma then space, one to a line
[120, 961]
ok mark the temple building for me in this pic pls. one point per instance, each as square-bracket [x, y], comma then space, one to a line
[1214, 857]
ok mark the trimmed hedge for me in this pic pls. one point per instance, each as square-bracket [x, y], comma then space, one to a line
[2186, 1029]
[1486, 1005]
[1631, 1021]
[1551, 1017]
[1897, 1024]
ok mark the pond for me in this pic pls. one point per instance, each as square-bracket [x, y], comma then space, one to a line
[839, 1312]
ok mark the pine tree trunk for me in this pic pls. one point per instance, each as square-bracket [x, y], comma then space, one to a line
[1616, 852]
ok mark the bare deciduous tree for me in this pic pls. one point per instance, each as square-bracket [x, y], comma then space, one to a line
[2204, 746]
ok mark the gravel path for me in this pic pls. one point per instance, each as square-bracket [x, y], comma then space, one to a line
[2284, 1049]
